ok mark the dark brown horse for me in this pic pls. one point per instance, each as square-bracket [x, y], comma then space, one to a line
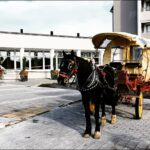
[96, 86]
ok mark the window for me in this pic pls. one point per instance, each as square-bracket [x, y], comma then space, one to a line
[136, 53]
[143, 25]
[60, 57]
[47, 60]
[142, 5]
[26, 59]
[148, 6]
[148, 28]
[10, 59]
[86, 55]
[3, 56]
[116, 54]
[37, 60]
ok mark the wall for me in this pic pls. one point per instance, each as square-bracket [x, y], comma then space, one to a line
[125, 16]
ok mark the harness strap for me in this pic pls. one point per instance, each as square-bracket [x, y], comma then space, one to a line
[105, 81]
[93, 78]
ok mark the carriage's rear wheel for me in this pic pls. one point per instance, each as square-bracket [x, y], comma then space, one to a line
[139, 105]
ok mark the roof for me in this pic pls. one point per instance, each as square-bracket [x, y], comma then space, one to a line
[44, 41]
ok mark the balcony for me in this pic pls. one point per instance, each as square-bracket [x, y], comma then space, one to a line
[145, 16]
[146, 35]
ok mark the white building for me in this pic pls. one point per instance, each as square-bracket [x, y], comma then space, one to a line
[40, 53]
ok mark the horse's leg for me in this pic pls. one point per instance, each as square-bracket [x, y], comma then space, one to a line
[87, 132]
[113, 116]
[103, 118]
[97, 133]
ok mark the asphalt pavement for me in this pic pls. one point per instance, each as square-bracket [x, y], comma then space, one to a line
[56, 120]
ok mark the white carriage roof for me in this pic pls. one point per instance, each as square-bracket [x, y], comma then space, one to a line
[44, 41]
[103, 39]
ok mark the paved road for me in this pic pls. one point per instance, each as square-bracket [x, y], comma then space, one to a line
[61, 127]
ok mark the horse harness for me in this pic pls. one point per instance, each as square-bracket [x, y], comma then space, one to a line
[93, 79]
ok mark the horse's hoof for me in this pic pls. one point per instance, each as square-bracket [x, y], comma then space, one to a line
[103, 120]
[113, 119]
[86, 135]
[97, 135]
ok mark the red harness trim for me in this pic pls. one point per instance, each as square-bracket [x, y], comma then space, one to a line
[63, 75]
[103, 73]
[74, 71]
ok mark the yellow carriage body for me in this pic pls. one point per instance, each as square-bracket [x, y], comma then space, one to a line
[126, 42]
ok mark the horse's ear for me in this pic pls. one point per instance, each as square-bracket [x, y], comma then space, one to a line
[64, 54]
[72, 53]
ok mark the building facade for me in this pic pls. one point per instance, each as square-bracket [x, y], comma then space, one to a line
[132, 17]
[39, 53]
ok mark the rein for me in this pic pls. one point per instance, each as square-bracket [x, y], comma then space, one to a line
[104, 73]
[93, 79]
[68, 76]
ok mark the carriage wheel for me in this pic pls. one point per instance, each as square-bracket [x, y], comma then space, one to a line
[139, 106]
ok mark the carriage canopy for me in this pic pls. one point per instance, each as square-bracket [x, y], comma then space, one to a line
[119, 38]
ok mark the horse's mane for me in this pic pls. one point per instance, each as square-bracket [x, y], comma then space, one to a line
[84, 63]
[83, 60]
[84, 69]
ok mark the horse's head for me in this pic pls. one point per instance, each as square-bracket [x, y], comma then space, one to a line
[67, 67]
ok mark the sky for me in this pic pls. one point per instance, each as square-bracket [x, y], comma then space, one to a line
[62, 17]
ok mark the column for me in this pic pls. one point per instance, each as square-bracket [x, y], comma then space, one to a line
[51, 59]
[43, 61]
[29, 60]
[79, 53]
[100, 57]
[144, 6]
[139, 17]
[21, 58]
[56, 61]
[101, 53]
[144, 28]
[15, 66]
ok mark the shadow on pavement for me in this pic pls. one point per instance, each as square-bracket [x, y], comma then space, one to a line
[72, 116]
[128, 142]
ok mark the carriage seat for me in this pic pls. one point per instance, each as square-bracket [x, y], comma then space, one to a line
[117, 65]
[133, 65]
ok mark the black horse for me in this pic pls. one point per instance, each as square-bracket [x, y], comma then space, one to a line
[96, 86]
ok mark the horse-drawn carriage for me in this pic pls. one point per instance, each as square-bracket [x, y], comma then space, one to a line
[125, 73]
[130, 56]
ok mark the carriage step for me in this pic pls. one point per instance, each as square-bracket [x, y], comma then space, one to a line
[133, 65]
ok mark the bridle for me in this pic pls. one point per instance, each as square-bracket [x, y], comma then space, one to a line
[72, 72]
[68, 76]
